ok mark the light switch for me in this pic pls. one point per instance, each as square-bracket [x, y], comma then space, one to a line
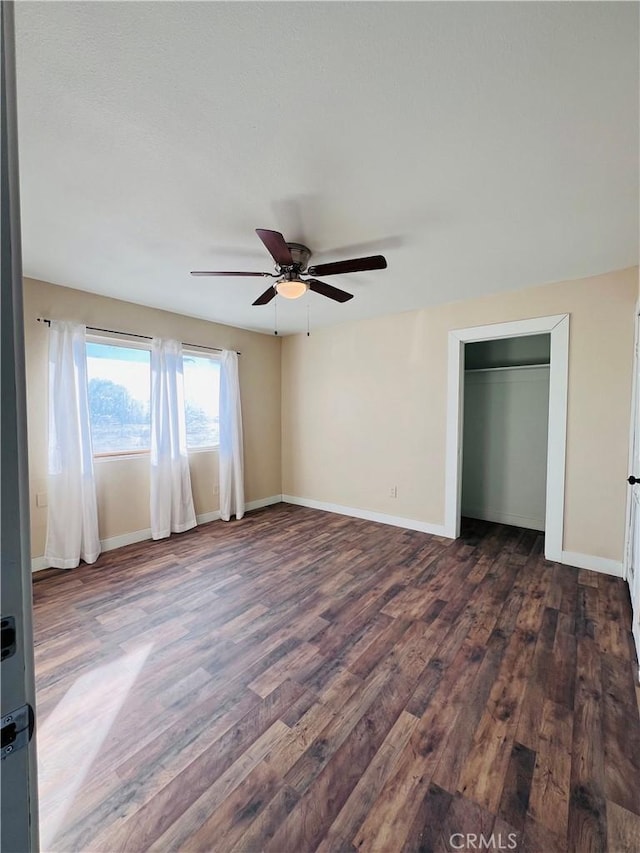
[41, 499]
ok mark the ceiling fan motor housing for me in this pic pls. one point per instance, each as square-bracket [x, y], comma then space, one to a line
[300, 255]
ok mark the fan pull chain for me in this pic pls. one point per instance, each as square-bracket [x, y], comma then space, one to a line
[275, 310]
[307, 313]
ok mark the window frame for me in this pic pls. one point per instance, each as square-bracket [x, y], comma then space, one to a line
[107, 339]
[212, 356]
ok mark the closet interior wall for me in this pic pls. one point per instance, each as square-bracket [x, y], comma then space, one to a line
[506, 413]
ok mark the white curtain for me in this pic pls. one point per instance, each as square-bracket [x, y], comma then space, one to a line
[72, 518]
[172, 508]
[231, 459]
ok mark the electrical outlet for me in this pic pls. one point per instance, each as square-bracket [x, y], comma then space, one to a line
[216, 489]
[393, 492]
[41, 499]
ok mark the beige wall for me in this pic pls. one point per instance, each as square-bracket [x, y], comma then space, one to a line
[123, 484]
[364, 406]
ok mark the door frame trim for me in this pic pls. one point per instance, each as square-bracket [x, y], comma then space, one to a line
[557, 326]
[626, 558]
[634, 591]
[18, 782]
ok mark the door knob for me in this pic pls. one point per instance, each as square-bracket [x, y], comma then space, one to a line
[633, 480]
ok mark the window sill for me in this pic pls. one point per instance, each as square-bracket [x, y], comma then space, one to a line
[136, 454]
[120, 454]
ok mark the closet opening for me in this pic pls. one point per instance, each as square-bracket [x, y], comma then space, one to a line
[505, 430]
[557, 327]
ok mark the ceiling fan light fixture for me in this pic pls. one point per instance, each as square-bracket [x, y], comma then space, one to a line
[292, 288]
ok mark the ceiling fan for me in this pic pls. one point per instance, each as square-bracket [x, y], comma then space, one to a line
[291, 263]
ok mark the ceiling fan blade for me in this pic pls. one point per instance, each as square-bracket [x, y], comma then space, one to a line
[228, 272]
[265, 297]
[328, 290]
[276, 246]
[374, 262]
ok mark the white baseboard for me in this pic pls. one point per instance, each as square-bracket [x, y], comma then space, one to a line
[368, 515]
[504, 518]
[110, 544]
[114, 542]
[262, 502]
[206, 517]
[39, 563]
[595, 564]
[570, 558]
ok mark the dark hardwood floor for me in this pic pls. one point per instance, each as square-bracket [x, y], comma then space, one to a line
[301, 680]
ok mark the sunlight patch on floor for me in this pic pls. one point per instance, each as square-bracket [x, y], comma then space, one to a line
[71, 736]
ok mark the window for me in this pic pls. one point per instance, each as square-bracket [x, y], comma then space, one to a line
[201, 397]
[119, 377]
[119, 380]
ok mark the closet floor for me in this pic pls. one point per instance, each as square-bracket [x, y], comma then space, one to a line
[302, 681]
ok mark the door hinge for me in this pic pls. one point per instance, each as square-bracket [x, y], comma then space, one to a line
[17, 729]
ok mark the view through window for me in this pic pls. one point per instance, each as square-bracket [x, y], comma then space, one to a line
[119, 380]
[119, 391]
[201, 394]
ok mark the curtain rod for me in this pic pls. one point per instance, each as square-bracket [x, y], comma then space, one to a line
[134, 335]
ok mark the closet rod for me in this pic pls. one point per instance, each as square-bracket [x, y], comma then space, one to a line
[134, 335]
[513, 367]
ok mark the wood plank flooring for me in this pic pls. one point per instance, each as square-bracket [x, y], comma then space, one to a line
[302, 681]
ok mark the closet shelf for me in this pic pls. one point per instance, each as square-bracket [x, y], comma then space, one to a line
[509, 367]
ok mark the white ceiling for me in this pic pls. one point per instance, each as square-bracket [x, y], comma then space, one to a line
[481, 147]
